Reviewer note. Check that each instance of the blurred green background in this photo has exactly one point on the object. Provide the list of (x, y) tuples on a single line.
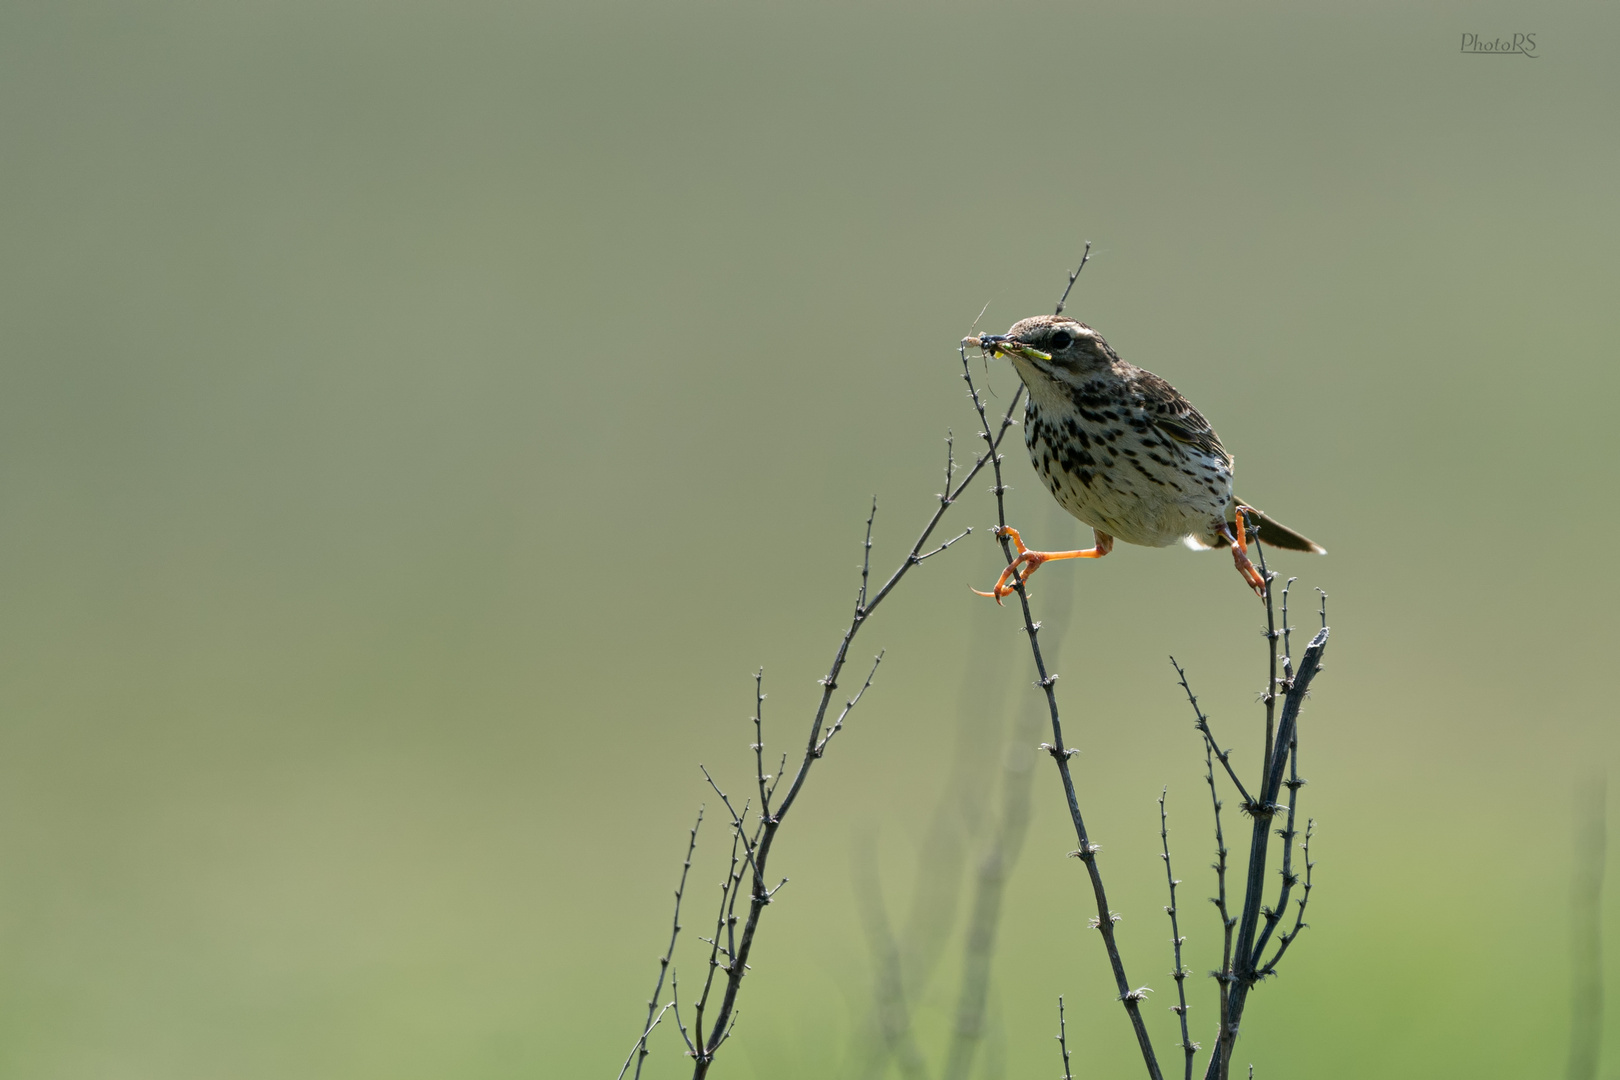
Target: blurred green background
[(418, 422)]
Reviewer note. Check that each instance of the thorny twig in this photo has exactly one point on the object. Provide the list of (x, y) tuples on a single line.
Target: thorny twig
[(1202, 724), (1223, 979), (641, 1044), (1189, 1048), (1063, 1041), (995, 865), (1087, 852), (756, 846), (639, 1053), (1064, 299), (1287, 938), (1275, 913), (1242, 970), (838, 725), (724, 920), (759, 743)]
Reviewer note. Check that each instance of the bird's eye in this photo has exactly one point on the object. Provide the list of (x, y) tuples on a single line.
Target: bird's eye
[(1060, 340)]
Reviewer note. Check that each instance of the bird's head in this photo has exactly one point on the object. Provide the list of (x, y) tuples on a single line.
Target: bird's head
[(1053, 347)]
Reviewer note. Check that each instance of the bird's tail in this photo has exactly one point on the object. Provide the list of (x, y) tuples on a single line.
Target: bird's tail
[(1276, 535)]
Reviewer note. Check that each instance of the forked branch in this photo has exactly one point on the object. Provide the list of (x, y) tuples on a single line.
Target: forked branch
[(734, 934)]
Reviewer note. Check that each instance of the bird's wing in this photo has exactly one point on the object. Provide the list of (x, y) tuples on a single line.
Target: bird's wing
[(1174, 415)]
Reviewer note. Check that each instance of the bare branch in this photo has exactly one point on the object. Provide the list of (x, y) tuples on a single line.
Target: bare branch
[(1064, 299), (1287, 939), (759, 743), (706, 1044), (1273, 914), (1270, 694), (1223, 977), (1087, 850), (1063, 1041), (965, 532), (641, 1044), (866, 556), (838, 725), (738, 823), (663, 961), (1180, 973), (757, 849), (1202, 724), (675, 1003)]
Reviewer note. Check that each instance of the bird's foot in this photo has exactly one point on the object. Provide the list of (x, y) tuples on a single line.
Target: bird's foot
[(1240, 556), (1026, 562)]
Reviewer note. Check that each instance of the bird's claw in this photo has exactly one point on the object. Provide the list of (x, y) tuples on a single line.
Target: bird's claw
[(1025, 563), (1240, 555)]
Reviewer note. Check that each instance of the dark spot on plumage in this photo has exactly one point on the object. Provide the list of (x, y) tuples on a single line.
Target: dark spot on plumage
[(1137, 465), (1089, 397)]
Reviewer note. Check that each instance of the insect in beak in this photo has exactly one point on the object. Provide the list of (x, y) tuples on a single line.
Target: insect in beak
[(1002, 345)]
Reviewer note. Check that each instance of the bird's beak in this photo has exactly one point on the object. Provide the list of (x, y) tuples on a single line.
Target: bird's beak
[(1003, 345)]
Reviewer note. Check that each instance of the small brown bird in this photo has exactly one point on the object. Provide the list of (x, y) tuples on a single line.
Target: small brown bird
[(1123, 452)]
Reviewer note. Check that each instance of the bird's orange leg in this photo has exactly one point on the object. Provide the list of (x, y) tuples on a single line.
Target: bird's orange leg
[(1240, 555), (1027, 561)]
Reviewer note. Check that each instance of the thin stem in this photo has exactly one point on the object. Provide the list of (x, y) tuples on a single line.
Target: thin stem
[(1274, 914), (1288, 635), (1180, 972), (1223, 977), (640, 1051), (946, 545), (759, 743), (675, 1003), (1202, 724), (1063, 1041), (1271, 647), (641, 1044), (737, 820), (1287, 939), (838, 725), (1087, 852), (999, 857), (1064, 299), (866, 553), (706, 1045)]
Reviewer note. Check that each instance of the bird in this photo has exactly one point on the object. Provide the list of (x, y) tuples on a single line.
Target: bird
[(1123, 452)]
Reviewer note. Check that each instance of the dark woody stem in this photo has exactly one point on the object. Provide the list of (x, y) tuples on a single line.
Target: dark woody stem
[(1087, 852)]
